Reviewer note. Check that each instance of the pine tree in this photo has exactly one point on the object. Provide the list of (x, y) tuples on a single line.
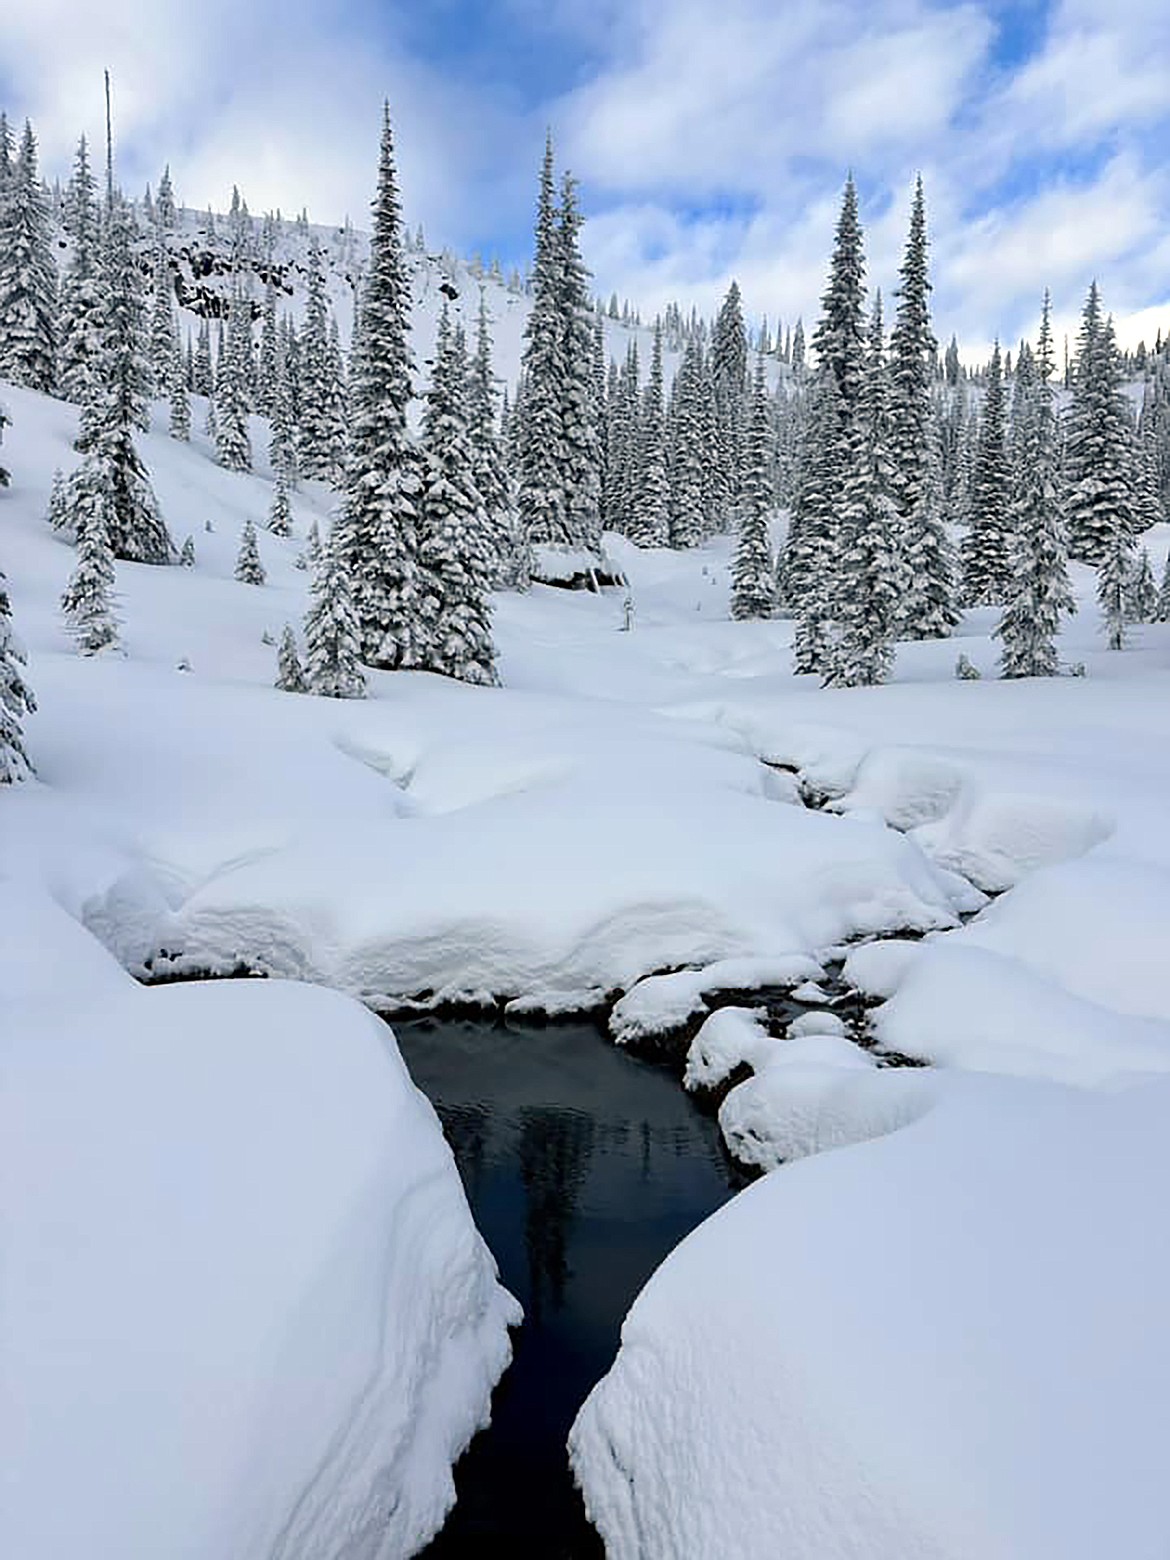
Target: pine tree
[(1099, 475), (649, 521), (88, 599), (203, 381), (578, 419), (986, 549), (249, 570), (728, 367), (488, 468), (332, 637), (233, 445), (280, 511), (187, 555), (1114, 572), (165, 215), (1039, 593), (687, 517), (922, 551), (383, 473), (1141, 604), (282, 449), (456, 554), (268, 372), (28, 277), (180, 406), (16, 698), (320, 431), (112, 472), (163, 338), (804, 568), (290, 676), (79, 319), (1164, 594), (753, 587)]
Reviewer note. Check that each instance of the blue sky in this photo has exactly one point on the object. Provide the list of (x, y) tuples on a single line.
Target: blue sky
[(711, 137)]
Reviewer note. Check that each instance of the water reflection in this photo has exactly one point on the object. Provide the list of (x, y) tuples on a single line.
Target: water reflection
[(583, 1167)]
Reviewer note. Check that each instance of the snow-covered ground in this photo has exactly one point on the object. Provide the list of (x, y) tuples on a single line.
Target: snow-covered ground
[(943, 1338)]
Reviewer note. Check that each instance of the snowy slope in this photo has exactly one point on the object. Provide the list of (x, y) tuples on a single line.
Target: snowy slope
[(612, 812)]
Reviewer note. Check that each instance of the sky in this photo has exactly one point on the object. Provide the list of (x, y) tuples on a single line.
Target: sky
[(711, 138)]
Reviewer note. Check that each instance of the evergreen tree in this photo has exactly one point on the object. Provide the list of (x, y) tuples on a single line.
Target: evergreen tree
[(163, 338), (332, 637), (1039, 593), (290, 676), (922, 550), (233, 446), (383, 474), (1141, 604), (649, 521), (187, 555), (1114, 573), (268, 374), (280, 512), (249, 570), (578, 421), (488, 468), (728, 368), (1164, 594), (201, 372), (165, 215), (457, 557), (753, 588), (986, 549), (180, 406), (803, 572), (282, 449), (88, 599), (112, 474), (687, 470), (320, 434), (16, 698), (1098, 445), (79, 319), (28, 277)]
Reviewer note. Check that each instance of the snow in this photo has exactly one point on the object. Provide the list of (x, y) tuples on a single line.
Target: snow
[(246, 1311), (943, 1330)]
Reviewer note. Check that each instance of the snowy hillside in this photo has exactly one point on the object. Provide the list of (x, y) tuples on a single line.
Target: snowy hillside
[(626, 804)]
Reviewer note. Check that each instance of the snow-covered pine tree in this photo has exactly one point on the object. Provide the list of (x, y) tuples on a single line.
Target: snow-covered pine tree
[(802, 575), (180, 405), (383, 474), (1114, 572), (88, 602), (1141, 604), (280, 510), (986, 550), (332, 637), (16, 697), (923, 555), (79, 323), (290, 675), (203, 379), (753, 584), (233, 445), (28, 276), (112, 472), (162, 337), (268, 369), (249, 570), (728, 371), (649, 520), (165, 215), (487, 452), (1099, 462), (868, 599), (578, 414), (320, 430), (621, 456), (456, 554), (687, 473), (187, 553), (1039, 594)]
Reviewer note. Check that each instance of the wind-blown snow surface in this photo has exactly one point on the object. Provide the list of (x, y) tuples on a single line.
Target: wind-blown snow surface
[(846, 1381)]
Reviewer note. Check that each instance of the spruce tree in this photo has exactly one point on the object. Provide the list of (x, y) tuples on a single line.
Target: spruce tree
[(233, 445), (332, 637), (687, 478), (986, 549), (728, 370), (163, 337), (1114, 572), (805, 564), (79, 319), (1141, 604), (112, 472), (320, 430), (1039, 593), (88, 600), (28, 276), (487, 453), (1099, 461), (180, 406), (383, 474), (290, 676), (268, 370), (457, 556), (280, 511), (868, 599), (578, 419), (923, 554), (165, 215), (203, 380), (649, 520), (187, 554), (753, 586), (16, 697), (249, 570)]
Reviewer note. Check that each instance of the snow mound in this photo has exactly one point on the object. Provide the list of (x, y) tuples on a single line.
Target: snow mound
[(996, 837), (731, 1037), (876, 969), (906, 786), (245, 1308), (884, 1352), (661, 1003)]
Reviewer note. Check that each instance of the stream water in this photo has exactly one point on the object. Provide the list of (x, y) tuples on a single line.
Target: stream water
[(583, 1166)]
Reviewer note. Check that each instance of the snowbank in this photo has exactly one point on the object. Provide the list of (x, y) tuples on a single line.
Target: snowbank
[(949, 1343), (245, 1309)]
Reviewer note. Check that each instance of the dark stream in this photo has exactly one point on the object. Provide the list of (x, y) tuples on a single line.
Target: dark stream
[(584, 1166)]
